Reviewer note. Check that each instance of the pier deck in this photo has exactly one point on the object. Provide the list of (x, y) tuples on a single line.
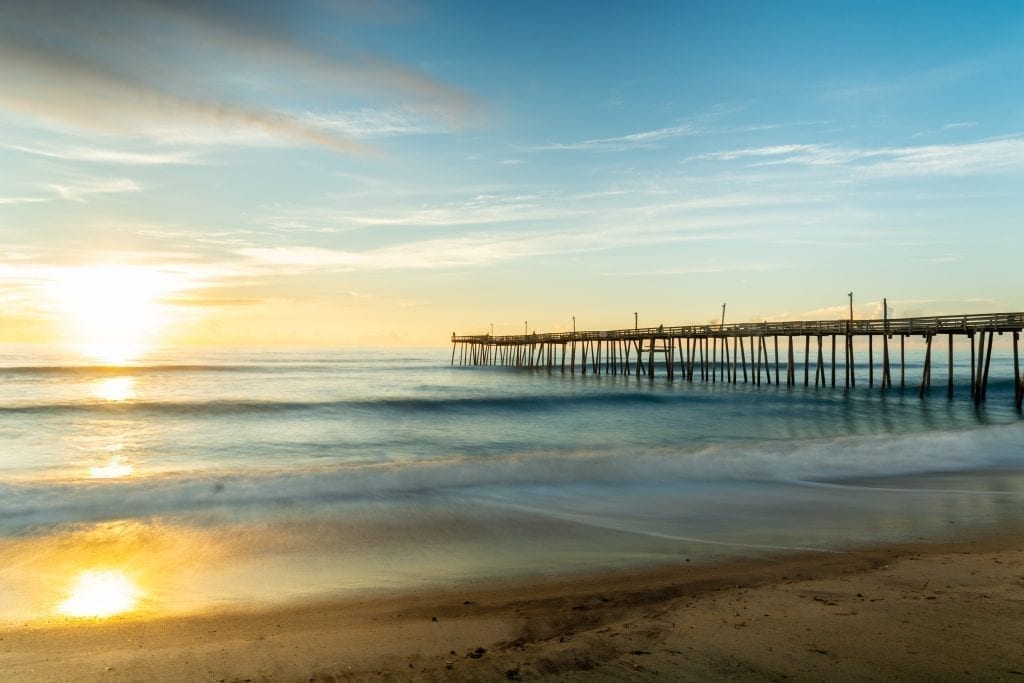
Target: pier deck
[(703, 352)]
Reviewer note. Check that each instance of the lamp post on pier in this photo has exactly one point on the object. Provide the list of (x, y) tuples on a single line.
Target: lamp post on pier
[(851, 306), (636, 321), (722, 326), (574, 324)]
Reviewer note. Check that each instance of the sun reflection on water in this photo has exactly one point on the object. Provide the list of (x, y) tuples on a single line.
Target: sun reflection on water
[(116, 467), (115, 389), (100, 593)]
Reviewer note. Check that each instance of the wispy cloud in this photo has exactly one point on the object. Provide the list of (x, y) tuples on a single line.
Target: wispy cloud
[(953, 159), (698, 270), (23, 200), (426, 254), (484, 249), (945, 128), (647, 138), (482, 209), (950, 159), (92, 154), (82, 190), (370, 122), (944, 258), (100, 66)]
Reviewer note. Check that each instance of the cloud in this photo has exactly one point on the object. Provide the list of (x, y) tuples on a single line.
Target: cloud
[(769, 151), (951, 159), (481, 209), (427, 254), (81, 191), (947, 258), (92, 154), (369, 122), (23, 200), (483, 249), (945, 128), (699, 270), (622, 143), (212, 66)]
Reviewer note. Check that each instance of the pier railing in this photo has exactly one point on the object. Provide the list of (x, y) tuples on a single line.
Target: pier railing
[(704, 350)]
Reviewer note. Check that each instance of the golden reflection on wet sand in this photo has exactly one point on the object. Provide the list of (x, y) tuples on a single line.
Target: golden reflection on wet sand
[(100, 593), (121, 569)]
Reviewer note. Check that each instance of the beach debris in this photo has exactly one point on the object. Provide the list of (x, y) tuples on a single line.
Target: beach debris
[(513, 674), (477, 653), (433, 618)]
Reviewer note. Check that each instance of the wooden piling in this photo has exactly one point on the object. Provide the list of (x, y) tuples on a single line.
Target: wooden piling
[(807, 358), (735, 356), (853, 363), (743, 360), (988, 362), (903, 362), (871, 362), (980, 368), (949, 378), (1018, 385), (819, 371), (650, 360), (790, 364), (927, 370), (833, 360), (775, 344), (756, 363), (714, 359), (886, 374)]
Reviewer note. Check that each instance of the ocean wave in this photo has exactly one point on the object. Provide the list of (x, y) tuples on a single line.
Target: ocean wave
[(220, 407), (54, 500), (122, 370)]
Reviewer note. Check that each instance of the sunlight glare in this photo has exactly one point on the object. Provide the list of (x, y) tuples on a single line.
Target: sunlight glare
[(114, 469), (114, 312), (115, 389), (100, 593)]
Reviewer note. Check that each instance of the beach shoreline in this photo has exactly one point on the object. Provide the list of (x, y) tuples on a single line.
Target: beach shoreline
[(936, 609)]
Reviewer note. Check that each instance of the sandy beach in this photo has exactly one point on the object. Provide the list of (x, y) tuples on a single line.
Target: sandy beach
[(948, 610)]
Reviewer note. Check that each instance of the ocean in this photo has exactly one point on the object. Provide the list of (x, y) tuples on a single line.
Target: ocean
[(204, 479)]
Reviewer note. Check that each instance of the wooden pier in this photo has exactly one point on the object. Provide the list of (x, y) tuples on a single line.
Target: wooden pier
[(724, 353)]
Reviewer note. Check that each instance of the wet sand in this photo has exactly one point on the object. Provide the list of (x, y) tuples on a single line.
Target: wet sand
[(948, 610)]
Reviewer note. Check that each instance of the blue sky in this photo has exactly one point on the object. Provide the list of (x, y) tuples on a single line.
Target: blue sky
[(366, 173)]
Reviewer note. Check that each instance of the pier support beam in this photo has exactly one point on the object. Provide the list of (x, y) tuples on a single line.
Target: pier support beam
[(926, 372), (871, 361), (1018, 382), (949, 381)]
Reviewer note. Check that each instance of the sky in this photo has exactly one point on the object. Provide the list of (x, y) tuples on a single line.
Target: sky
[(385, 173)]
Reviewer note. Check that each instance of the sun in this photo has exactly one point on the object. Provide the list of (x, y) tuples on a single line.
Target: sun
[(113, 313)]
